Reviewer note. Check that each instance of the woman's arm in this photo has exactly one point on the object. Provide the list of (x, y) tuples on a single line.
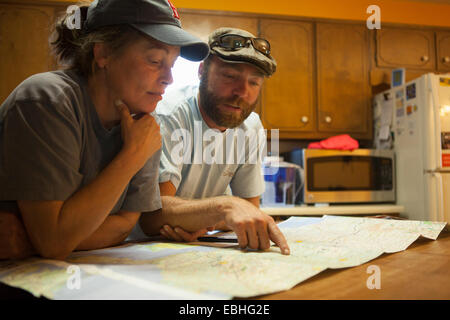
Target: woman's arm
[(113, 231), (14, 242), (56, 228)]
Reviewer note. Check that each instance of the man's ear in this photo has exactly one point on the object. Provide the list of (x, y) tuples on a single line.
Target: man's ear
[(100, 54)]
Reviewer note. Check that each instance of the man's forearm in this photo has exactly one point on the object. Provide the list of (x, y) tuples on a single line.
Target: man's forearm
[(190, 215)]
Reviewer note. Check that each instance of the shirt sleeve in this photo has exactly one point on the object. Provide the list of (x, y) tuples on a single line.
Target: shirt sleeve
[(143, 191), (40, 150), (173, 151), (248, 181)]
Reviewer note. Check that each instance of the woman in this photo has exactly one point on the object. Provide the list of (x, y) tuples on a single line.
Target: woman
[(79, 149)]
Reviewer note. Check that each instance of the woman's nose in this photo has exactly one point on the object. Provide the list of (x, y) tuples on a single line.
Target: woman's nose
[(167, 77)]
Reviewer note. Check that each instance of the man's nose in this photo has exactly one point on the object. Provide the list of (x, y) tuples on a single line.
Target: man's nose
[(241, 88)]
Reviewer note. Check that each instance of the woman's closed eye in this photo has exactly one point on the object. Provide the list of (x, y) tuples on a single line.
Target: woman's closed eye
[(155, 62)]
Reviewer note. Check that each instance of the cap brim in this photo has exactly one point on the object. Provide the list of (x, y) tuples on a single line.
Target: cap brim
[(191, 47), (246, 55), (249, 62)]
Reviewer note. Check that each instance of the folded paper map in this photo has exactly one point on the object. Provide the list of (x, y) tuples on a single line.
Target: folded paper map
[(167, 270)]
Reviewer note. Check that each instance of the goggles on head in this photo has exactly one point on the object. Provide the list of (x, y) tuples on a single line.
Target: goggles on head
[(237, 42)]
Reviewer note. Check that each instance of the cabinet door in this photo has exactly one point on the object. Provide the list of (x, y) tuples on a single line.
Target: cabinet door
[(24, 48), (202, 25), (443, 51), (407, 48), (288, 96), (343, 79)]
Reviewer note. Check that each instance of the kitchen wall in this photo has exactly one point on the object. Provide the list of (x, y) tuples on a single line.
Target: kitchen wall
[(414, 12), (429, 13)]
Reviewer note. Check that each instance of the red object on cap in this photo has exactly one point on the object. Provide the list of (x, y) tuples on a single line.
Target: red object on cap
[(175, 12), (341, 142)]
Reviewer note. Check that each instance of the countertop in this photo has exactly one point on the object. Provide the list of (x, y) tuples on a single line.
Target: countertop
[(304, 210)]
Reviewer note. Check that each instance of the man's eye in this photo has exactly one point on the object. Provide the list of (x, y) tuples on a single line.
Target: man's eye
[(229, 76)]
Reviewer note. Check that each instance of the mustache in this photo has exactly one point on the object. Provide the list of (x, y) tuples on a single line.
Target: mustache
[(235, 101)]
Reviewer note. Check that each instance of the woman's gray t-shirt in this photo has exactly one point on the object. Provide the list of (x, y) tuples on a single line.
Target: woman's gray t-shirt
[(52, 143)]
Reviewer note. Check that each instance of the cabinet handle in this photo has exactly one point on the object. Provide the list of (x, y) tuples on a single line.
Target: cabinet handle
[(424, 58), (305, 119), (328, 119), (446, 59)]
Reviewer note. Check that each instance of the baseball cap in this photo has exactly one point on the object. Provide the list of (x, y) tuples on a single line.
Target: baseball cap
[(246, 54), (157, 18)]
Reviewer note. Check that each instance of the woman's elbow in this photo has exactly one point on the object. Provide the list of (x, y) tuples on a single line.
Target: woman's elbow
[(54, 254), (53, 250)]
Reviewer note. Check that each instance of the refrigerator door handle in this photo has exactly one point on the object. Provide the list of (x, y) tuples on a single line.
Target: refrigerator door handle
[(436, 118), (436, 171), (440, 196)]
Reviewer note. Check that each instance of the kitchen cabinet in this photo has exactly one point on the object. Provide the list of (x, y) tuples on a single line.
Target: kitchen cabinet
[(24, 45), (288, 100), (202, 25), (343, 91), (405, 48), (309, 99), (443, 51)]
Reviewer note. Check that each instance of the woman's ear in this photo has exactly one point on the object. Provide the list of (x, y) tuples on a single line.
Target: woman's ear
[(200, 70), (100, 55)]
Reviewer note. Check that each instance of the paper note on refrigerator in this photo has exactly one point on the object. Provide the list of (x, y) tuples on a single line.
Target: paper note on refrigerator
[(384, 133), (386, 113), (162, 270)]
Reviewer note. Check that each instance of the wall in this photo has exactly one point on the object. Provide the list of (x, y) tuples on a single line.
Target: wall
[(406, 12), (415, 12)]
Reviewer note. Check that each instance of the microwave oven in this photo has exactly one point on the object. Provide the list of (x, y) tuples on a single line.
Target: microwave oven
[(358, 176)]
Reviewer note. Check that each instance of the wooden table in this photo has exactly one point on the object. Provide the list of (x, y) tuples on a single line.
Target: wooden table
[(420, 272)]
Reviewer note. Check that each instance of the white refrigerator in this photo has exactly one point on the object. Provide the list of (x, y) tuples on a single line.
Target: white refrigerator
[(418, 128)]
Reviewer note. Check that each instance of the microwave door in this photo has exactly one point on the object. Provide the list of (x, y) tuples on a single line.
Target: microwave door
[(349, 177)]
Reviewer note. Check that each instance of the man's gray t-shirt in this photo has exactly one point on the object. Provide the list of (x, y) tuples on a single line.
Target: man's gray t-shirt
[(190, 165), (52, 143)]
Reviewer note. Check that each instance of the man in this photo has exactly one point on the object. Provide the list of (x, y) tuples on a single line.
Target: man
[(230, 83)]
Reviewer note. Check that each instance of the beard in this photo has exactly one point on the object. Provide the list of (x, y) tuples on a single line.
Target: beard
[(210, 104)]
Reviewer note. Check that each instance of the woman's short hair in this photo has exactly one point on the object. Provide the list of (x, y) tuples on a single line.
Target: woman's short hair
[(74, 48)]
